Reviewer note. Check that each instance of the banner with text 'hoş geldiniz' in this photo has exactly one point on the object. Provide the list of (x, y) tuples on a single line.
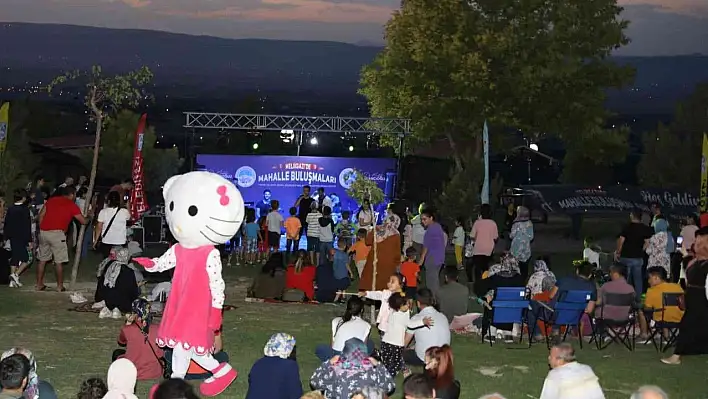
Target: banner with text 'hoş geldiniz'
[(284, 176)]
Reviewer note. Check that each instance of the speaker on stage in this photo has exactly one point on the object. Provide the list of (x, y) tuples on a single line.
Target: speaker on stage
[(138, 234), (152, 226)]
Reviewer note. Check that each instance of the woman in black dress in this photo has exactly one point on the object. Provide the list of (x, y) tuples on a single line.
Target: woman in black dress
[(693, 336)]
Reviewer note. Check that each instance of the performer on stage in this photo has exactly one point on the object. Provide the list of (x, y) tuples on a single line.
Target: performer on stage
[(203, 210)]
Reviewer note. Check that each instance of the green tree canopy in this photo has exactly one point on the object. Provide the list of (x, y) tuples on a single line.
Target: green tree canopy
[(17, 165), (671, 156), (116, 153), (537, 65)]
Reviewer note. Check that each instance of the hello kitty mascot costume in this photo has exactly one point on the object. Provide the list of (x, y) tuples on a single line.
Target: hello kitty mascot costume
[(203, 210)]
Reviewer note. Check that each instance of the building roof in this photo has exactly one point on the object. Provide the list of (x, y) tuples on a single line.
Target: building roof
[(67, 142)]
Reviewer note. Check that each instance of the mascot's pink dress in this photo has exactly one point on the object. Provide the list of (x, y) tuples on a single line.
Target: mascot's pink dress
[(203, 210)]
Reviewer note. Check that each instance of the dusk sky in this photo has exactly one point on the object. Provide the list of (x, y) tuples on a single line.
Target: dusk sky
[(659, 27)]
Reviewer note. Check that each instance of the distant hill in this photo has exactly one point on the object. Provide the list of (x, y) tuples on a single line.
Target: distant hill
[(194, 66)]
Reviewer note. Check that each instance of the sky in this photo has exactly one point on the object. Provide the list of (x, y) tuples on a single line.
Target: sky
[(659, 27)]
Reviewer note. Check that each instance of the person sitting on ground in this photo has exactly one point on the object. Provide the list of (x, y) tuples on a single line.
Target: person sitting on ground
[(139, 336), (658, 286), (341, 376), (438, 366), (569, 379), (418, 386), (453, 297), (350, 325), (14, 376), (35, 387), (276, 375), (434, 333), (121, 380), (300, 275), (117, 286), (175, 388), (270, 282), (650, 392), (92, 388)]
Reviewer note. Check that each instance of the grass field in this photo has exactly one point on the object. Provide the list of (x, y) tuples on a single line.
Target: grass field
[(71, 347)]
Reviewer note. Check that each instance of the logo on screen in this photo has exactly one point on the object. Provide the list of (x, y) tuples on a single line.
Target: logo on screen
[(347, 177), (245, 176)]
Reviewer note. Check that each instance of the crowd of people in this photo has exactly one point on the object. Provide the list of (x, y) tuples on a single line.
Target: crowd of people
[(417, 291)]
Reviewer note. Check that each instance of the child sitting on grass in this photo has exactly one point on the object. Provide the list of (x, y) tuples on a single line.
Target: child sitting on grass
[(395, 285), (360, 251)]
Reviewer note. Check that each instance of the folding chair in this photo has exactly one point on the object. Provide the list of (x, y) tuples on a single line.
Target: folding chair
[(668, 300), (509, 306), (567, 312), (621, 330)]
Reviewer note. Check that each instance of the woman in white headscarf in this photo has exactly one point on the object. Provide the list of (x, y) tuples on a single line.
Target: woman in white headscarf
[(35, 387), (276, 375), (117, 285), (542, 279), (122, 377)]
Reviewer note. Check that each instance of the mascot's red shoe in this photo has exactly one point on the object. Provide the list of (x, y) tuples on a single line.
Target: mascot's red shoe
[(223, 376)]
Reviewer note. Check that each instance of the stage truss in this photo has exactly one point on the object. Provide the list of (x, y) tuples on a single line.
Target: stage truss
[(304, 124), (317, 124)]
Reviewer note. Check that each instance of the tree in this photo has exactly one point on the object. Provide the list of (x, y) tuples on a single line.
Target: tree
[(17, 165), (105, 96), (671, 156), (537, 65), (117, 156), (364, 189)]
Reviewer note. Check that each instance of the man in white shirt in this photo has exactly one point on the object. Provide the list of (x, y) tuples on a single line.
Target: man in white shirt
[(569, 379), (437, 333)]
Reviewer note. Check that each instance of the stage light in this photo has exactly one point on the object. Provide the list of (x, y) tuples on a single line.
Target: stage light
[(255, 146), (351, 148), (313, 141), (533, 146)]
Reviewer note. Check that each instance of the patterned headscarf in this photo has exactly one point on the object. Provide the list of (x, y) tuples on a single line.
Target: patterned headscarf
[(541, 279), (353, 359), (141, 309), (279, 345), (122, 257), (32, 388), (389, 227), (522, 214), (507, 267)]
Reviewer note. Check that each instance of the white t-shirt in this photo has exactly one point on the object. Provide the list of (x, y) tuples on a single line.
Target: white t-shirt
[(354, 328), (458, 237), (274, 220), (418, 230), (118, 232), (426, 337), (591, 256), (313, 224), (398, 322)]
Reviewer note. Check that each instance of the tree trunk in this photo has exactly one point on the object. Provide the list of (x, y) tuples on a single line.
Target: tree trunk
[(92, 181), (375, 264), (455, 153)]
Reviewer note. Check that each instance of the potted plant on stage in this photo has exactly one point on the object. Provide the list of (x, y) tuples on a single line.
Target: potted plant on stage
[(362, 188)]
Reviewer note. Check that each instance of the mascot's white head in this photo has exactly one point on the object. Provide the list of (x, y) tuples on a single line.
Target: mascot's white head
[(202, 208)]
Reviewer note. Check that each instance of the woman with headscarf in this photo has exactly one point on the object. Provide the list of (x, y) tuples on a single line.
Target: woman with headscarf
[(138, 336), (117, 286), (660, 246), (276, 375), (35, 388), (346, 374), (503, 274), (121, 380), (521, 237), (388, 252), (542, 279)]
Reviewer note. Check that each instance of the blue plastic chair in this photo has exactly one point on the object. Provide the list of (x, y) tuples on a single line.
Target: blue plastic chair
[(510, 305), (568, 312)]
